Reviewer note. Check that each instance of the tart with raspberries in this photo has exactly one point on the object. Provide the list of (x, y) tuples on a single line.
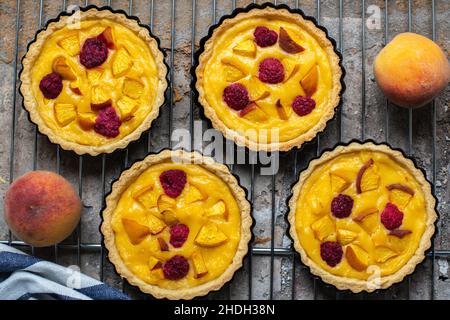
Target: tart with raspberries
[(362, 217), (269, 78), (177, 225), (93, 81)]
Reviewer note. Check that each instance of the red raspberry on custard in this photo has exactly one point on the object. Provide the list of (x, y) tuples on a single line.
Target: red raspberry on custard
[(173, 182), (391, 217), (264, 37), (178, 234), (271, 71), (303, 105), (93, 53), (341, 206), (331, 252), (51, 85), (236, 96), (176, 268), (107, 123)]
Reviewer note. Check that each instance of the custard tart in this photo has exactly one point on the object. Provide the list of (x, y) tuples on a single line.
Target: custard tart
[(94, 80), (268, 78), (177, 225), (362, 216)]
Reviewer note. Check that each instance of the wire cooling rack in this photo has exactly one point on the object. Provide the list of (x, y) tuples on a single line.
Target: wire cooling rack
[(272, 269)]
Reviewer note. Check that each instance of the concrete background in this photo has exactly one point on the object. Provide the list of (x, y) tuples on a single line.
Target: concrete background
[(362, 101)]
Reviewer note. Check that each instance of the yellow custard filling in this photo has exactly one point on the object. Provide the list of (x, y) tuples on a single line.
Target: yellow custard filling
[(206, 206), (368, 245), (127, 79), (236, 58)]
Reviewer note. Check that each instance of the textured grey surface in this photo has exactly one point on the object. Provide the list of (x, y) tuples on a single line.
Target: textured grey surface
[(382, 123)]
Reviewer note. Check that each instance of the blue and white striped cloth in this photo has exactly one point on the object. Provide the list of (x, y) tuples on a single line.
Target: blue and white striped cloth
[(26, 277)]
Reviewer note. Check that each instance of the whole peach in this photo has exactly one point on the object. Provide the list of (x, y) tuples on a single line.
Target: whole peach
[(411, 70), (42, 208)]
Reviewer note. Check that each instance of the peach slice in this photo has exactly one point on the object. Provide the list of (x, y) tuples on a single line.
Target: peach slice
[(195, 208), (199, 264), (253, 113), (158, 273), (400, 194), (383, 254), (287, 44), (146, 197), (100, 98), (345, 237), (367, 178), (127, 108), (338, 184), (379, 236), (364, 213), (291, 67), (86, 120), (136, 232), (317, 206), (217, 210), (357, 257), (210, 236), (281, 112), (232, 74), (401, 187), (370, 223), (65, 113), (154, 263), (257, 89), (246, 48), (324, 229), (399, 233), (193, 194), (399, 198), (121, 62), (236, 63), (163, 244), (310, 81), (165, 203), (108, 36), (94, 75), (71, 44), (75, 87), (132, 88), (61, 67), (169, 217), (346, 174), (155, 225)]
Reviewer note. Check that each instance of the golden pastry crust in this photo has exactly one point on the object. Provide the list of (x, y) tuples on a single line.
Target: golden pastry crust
[(34, 51), (129, 176), (312, 29), (356, 285)]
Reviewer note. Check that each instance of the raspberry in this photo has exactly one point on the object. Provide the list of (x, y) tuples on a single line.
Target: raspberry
[(173, 182), (264, 37), (93, 53), (236, 96), (391, 217), (51, 85), (331, 252), (178, 234), (271, 71), (341, 206), (176, 268), (107, 123), (303, 105)]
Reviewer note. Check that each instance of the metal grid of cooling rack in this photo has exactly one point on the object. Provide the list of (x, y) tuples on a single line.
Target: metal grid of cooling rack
[(80, 247)]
